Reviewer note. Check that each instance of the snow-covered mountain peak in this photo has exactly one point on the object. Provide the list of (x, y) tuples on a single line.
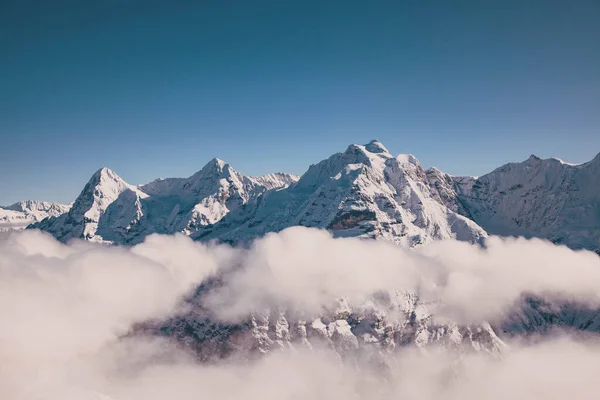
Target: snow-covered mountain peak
[(105, 184), (366, 153), (105, 174), (354, 156), (109, 209), (537, 197), (103, 188), (22, 213), (32, 205), (216, 165), (359, 193), (375, 146)]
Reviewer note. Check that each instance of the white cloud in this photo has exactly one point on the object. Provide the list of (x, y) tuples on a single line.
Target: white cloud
[(307, 269), (63, 308), (58, 302)]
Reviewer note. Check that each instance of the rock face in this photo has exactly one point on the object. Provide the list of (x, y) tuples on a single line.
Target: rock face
[(536, 317), (379, 327)]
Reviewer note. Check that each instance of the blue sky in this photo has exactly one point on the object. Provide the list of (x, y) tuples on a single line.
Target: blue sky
[(158, 88)]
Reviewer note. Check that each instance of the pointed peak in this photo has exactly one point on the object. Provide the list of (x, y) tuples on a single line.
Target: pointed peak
[(375, 146), (216, 164), (217, 161), (214, 167), (533, 157), (105, 174)]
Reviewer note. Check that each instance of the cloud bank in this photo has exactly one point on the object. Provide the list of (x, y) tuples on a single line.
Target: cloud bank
[(307, 269), (65, 308)]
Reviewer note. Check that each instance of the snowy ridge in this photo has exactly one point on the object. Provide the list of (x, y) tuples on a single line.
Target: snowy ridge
[(274, 181), (542, 198), (363, 192), (17, 216), (111, 210)]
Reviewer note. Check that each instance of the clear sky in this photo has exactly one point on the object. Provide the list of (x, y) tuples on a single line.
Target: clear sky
[(158, 88)]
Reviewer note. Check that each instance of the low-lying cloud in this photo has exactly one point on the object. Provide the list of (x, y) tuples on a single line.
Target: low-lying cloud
[(306, 269), (65, 308)]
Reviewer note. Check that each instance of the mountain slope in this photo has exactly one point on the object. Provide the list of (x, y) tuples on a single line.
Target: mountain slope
[(363, 192), (84, 216), (542, 198)]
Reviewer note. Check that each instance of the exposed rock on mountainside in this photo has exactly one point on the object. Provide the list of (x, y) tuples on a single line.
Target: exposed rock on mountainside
[(374, 329)]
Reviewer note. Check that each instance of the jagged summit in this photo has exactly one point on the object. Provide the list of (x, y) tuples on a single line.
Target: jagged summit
[(29, 205), (370, 150), (375, 146), (216, 164), (363, 191), (105, 173), (537, 197), (25, 212), (110, 209)]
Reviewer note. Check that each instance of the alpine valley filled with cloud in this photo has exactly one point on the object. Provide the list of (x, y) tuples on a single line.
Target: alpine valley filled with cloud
[(367, 277)]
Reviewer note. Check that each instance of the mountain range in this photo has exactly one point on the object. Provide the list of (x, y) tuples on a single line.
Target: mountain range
[(23, 213), (362, 192)]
